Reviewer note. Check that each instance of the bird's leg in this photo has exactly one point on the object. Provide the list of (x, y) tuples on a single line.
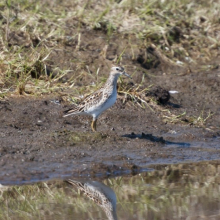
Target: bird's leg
[(93, 125)]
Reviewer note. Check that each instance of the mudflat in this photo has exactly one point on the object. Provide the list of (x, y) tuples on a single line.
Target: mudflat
[(38, 143), (65, 57)]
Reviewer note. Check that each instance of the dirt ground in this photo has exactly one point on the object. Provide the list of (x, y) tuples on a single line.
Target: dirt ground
[(38, 143)]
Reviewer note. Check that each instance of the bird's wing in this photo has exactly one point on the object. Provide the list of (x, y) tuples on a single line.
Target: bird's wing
[(86, 103)]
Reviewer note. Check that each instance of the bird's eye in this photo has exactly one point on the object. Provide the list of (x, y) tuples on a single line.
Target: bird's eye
[(117, 69)]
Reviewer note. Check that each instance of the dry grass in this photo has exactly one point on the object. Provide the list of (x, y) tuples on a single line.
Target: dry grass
[(183, 32), (174, 34)]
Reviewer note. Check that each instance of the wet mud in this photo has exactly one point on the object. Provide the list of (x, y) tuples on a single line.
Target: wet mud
[(37, 143)]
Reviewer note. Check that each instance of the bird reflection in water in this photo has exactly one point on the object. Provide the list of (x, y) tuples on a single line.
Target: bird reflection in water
[(101, 194)]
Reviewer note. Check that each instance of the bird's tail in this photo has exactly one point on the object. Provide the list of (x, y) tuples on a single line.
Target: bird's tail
[(70, 112), (77, 184)]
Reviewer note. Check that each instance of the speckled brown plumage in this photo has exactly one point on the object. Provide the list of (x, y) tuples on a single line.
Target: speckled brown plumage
[(100, 100)]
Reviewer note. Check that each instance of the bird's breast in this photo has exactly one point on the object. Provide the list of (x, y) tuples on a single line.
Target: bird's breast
[(111, 101), (108, 99)]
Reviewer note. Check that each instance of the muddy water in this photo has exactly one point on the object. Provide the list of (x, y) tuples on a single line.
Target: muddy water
[(182, 191)]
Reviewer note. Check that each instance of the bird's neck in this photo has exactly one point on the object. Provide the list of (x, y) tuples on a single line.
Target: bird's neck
[(112, 81)]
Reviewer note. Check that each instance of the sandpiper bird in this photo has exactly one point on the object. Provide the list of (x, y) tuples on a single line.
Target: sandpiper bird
[(101, 100), (101, 194)]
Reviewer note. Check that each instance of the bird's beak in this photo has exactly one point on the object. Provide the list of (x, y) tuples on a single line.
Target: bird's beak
[(124, 73)]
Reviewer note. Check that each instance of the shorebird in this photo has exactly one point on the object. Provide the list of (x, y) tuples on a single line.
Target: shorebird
[(101, 194), (100, 100)]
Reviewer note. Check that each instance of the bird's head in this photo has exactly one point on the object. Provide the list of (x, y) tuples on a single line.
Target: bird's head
[(118, 70)]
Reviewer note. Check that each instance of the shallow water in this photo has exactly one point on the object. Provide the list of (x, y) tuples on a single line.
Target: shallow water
[(180, 191)]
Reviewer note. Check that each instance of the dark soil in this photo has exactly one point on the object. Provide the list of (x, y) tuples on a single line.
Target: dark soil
[(38, 143)]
